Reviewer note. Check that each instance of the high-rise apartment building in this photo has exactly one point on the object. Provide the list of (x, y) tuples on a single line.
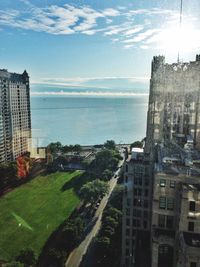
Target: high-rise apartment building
[(15, 117)]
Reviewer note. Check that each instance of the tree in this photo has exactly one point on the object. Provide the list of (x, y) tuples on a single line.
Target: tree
[(92, 191), (137, 144), (109, 221), (27, 257), (77, 149), (14, 264), (54, 147), (110, 144), (102, 244), (107, 174), (106, 159), (73, 231), (112, 212)]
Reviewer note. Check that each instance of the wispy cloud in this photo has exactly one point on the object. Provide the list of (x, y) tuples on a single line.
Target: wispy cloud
[(143, 28), (90, 93), (81, 80)]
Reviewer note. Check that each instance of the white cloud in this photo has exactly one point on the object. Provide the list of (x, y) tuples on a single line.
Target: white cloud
[(143, 28), (82, 80), (141, 36)]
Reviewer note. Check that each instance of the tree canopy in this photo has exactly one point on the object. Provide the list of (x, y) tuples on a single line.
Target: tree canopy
[(137, 144), (110, 144), (92, 191)]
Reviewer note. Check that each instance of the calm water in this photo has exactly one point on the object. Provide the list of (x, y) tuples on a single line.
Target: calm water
[(88, 120)]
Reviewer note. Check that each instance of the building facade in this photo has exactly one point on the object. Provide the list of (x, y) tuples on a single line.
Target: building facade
[(15, 117), (173, 149), (136, 222), (174, 101)]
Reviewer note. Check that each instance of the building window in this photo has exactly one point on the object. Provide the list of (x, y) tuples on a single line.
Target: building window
[(170, 222), (127, 242), (146, 182), (127, 231), (146, 204), (128, 201), (126, 167), (128, 222), (145, 224), (191, 226), (193, 264), (128, 211), (170, 204), (138, 213), (162, 202), (161, 220), (192, 206), (162, 182), (146, 193), (137, 202), (172, 184), (127, 252)]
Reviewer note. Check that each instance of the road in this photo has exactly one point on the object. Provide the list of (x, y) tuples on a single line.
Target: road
[(77, 254)]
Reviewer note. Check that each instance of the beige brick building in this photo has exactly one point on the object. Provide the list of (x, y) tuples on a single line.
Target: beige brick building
[(15, 118)]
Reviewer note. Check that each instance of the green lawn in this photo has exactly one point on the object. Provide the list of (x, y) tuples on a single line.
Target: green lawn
[(30, 213)]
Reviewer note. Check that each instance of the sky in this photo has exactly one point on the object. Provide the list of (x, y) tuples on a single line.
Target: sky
[(95, 43)]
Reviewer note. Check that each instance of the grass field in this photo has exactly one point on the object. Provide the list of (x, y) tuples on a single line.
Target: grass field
[(30, 213)]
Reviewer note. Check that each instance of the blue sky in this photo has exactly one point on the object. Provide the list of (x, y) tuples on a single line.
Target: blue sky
[(102, 43)]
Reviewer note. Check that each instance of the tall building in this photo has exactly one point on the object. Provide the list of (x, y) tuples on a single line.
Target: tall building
[(136, 222), (15, 117), (173, 140), (172, 158), (174, 102)]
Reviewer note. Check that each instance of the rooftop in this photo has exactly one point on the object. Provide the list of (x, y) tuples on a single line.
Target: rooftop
[(174, 159)]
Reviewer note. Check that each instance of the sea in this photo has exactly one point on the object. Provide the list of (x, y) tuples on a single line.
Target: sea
[(88, 118)]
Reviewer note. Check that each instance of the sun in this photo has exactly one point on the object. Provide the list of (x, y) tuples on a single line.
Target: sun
[(180, 40)]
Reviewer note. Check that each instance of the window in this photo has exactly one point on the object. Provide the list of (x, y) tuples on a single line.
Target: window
[(126, 167), (146, 192), (146, 204), (161, 220), (162, 182), (193, 264), (127, 252), (162, 202), (145, 224), (170, 222), (146, 182), (145, 214), (172, 184), (127, 242), (128, 211), (127, 231), (128, 201), (139, 192), (170, 203), (135, 180), (128, 222), (192, 206), (139, 213), (135, 191), (191, 226), (137, 202)]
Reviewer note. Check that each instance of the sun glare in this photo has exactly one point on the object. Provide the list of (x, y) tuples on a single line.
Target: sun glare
[(180, 40)]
